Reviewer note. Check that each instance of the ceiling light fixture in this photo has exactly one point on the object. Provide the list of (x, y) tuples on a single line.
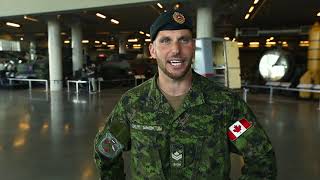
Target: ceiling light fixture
[(133, 40), (147, 40), (247, 16), (85, 41), (318, 14), (67, 41), (111, 46), (97, 42), (240, 44), (13, 24), (141, 32), (30, 18), (114, 21), (177, 6), (255, 1), (226, 38), (254, 44), (251, 9), (104, 43), (159, 5), (100, 15), (148, 35)]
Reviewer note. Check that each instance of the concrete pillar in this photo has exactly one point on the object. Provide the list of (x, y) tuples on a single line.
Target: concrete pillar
[(122, 43), (77, 56), (146, 52), (204, 22), (55, 58), (32, 50), (56, 114), (203, 55)]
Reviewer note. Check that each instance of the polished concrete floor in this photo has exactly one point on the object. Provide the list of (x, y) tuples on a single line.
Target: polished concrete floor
[(50, 137)]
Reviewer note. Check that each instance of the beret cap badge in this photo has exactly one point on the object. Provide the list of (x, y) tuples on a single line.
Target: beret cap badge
[(178, 17)]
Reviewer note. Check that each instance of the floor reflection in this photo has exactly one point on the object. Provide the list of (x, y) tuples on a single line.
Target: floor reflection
[(52, 137)]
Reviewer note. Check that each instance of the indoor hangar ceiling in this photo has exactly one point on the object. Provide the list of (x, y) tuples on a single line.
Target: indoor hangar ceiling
[(229, 15)]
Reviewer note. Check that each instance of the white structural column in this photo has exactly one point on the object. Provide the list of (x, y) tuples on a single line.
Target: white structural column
[(146, 52), (32, 50), (55, 58), (122, 43), (77, 55), (56, 124), (203, 57), (204, 22)]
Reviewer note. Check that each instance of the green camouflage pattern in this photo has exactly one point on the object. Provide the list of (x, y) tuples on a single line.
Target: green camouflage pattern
[(190, 143)]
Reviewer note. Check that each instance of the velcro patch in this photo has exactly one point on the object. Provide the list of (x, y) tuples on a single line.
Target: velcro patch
[(177, 155), (109, 146), (146, 127), (238, 128)]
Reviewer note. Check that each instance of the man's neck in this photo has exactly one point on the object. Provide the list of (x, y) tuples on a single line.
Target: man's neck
[(175, 87)]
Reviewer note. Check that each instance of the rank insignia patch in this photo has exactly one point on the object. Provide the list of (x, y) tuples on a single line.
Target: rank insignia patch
[(110, 146), (178, 17), (177, 155), (238, 128)]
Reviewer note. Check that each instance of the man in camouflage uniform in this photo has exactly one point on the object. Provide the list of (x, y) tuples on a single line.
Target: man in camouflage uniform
[(178, 124)]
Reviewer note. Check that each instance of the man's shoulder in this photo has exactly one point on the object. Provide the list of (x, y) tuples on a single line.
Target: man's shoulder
[(212, 89), (137, 93)]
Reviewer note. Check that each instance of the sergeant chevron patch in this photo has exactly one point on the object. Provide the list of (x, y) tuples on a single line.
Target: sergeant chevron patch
[(177, 155)]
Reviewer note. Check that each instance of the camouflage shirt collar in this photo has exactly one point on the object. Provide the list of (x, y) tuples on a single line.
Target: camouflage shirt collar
[(193, 98)]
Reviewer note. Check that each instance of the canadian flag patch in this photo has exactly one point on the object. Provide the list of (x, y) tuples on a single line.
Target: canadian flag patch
[(238, 128)]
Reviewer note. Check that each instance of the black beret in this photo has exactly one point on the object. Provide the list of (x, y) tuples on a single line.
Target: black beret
[(170, 20)]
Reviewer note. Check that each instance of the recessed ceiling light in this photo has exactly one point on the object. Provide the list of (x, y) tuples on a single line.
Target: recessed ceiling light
[(318, 14), (247, 16), (100, 15), (251, 9), (30, 18), (12, 24), (255, 1), (133, 40), (159, 5), (114, 21)]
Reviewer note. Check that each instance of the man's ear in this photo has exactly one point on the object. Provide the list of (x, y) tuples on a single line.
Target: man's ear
[(152, 50)]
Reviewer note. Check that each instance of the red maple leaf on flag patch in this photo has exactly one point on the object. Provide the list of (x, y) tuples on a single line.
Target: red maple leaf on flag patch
[(236, 128)]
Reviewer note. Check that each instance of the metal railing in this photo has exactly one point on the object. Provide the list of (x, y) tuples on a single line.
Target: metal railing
[(304, 88)]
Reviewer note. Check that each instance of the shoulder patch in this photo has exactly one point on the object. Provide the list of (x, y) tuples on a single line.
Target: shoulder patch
[(238, 128), (109, 146)]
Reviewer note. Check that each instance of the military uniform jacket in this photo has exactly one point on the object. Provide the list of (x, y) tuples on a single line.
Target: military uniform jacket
[(193, 142)]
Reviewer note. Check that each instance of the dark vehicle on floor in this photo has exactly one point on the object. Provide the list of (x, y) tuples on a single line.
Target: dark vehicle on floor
[(125, 66)]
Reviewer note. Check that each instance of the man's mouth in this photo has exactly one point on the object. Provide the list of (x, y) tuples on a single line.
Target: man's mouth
[(175, 63)]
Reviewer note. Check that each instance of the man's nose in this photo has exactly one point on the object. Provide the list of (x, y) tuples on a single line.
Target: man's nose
[(175, 48)]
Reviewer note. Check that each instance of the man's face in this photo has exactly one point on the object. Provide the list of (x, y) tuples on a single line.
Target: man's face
[(174, 50)]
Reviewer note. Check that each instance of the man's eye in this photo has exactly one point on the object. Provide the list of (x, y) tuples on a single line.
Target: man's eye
[(185, 40), (165, 41)]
